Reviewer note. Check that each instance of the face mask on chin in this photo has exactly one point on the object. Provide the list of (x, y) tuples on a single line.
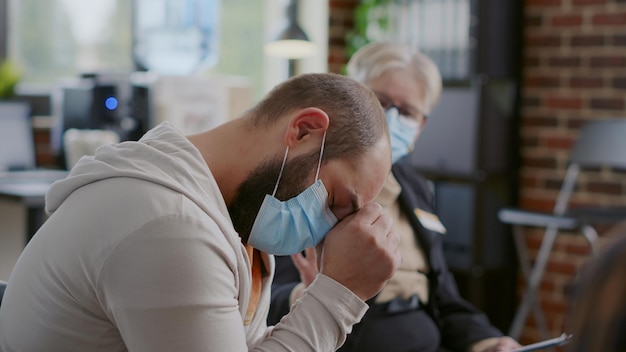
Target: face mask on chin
[(402, 132), (289, 227)]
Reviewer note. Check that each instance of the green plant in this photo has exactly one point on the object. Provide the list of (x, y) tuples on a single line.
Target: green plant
[(9, 76), (357, 38)]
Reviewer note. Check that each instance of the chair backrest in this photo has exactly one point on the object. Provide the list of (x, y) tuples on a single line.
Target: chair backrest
[(600, 143)]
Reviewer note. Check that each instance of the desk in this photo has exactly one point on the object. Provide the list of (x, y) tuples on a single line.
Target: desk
[(22, 201)]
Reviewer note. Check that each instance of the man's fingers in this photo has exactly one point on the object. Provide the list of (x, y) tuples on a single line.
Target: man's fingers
[(394, 245), (298, 260), (368, 213)]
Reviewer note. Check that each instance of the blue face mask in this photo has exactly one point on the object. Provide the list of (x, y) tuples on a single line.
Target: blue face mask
[(402, 132), (289, 227)]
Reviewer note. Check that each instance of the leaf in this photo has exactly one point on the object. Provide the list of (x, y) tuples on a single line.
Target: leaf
[(9, 77)]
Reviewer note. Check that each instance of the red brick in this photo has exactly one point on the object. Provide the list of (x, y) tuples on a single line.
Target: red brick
[(564, 103), (539, 162), (588, 2), (537, 204), (42, 137), (548, 286), (564, 61), (619, 39), (610, 19), (619, 82), (576, 119), (566, 20), (607, 103), (553, 184), (608, 61), (529, 182), (539, 121), (542, 3), (342, 4), (337, 41), (605, 187), (561, 266), (333, 59), (569, 239), (46, 159), (335, 22), (579, 249), (534, 242), (586, 82), (542, 40), (541, 81), (557, 142), (587, 40)]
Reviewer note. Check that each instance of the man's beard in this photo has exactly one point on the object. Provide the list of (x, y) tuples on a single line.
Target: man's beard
[(261, 181)]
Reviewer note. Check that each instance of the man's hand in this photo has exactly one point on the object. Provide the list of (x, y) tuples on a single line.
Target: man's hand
[(361, 252), (306, 265)]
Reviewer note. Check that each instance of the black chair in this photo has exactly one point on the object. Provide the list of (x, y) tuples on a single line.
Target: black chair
[(600, 144)]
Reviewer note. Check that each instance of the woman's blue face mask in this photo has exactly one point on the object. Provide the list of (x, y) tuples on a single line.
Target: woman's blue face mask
[(291, 226), (402, 132)]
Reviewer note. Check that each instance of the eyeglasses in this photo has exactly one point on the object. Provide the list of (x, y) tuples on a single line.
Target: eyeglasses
[(404, 110)]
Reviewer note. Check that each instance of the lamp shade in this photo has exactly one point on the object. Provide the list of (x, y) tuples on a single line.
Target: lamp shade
[(291, 42)]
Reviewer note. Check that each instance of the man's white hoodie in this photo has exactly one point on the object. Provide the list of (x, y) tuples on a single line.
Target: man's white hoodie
[(139, 253)]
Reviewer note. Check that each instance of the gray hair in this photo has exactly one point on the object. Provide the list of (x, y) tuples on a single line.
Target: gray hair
[(376, 58)]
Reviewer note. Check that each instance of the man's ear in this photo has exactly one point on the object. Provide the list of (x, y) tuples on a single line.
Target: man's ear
[(305, 125)]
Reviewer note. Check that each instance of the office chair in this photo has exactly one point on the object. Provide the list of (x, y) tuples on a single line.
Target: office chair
[(600, 143)]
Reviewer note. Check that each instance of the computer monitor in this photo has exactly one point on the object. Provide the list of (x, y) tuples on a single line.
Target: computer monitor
[(17, 147)]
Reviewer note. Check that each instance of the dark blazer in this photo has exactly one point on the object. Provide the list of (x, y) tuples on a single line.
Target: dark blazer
[(460, 324)]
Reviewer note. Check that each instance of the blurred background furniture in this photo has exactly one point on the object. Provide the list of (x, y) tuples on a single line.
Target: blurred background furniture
[(79, 143), (600, 144), (22, 185), (3, 286), (17, 150)]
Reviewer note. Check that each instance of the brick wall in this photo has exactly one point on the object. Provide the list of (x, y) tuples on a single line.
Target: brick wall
[(574, 70), (340, 22)]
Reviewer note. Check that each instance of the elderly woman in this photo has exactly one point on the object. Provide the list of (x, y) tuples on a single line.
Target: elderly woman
[(420, 308)]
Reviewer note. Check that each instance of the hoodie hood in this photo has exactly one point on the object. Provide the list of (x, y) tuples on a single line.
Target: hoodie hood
[(163, 156)]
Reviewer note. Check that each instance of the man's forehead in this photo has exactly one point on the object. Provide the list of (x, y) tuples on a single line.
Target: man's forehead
[(371, 172)]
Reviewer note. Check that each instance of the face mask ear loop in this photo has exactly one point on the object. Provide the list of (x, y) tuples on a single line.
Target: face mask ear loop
[(280, 174), (319, 162)]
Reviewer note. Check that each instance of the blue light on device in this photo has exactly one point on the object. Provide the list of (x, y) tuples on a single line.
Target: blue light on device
[(111, 103)]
